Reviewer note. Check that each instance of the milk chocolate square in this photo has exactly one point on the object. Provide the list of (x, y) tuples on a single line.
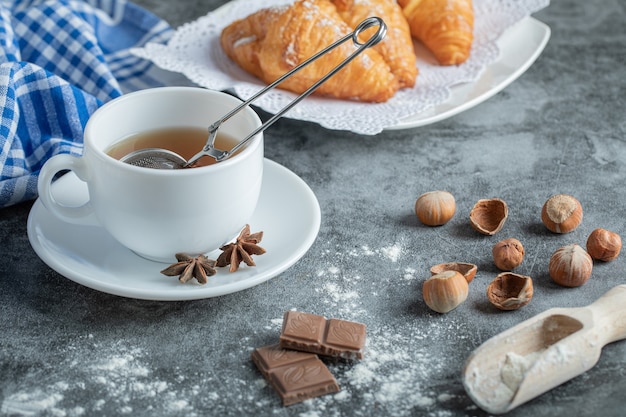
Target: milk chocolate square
[(315, 334), (268, 358), (302, 380), (295, 376)]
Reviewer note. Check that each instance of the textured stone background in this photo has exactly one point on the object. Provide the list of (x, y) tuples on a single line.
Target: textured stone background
[(66, 350)]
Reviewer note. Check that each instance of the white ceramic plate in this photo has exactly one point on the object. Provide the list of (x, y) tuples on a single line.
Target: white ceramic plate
[(287, 212), (507, 41), (519, 47)]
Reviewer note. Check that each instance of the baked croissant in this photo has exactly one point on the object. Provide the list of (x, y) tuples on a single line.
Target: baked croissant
[(272, 41), (397, 46), (445, 27)]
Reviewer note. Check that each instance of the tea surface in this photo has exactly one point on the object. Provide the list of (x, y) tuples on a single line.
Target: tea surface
[(185, 141)]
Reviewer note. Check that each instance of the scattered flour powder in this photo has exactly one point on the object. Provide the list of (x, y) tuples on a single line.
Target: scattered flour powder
[(398, 374), (391, 253), (117, 372), (401, 374)]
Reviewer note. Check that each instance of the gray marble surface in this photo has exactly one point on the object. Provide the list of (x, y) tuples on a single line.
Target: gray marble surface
[(67, 350)]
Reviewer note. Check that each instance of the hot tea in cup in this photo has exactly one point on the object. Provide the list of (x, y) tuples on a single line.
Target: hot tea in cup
[(183, 141), (158, 213)]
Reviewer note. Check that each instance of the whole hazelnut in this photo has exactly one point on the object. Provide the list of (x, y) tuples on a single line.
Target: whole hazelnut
[(570, 266), (488, 215), (508, 254), (509, 291), (445, 291), (604, 245), (561, 213), (435, 208)]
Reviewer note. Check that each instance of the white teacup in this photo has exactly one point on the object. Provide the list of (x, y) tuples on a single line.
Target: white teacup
[(158, 213)]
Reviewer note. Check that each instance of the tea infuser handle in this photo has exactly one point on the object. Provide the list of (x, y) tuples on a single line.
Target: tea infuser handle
[(220, 155)]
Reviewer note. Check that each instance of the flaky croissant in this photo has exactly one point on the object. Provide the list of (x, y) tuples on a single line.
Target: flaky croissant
[(397, 46), (445, 27), (272, 41)]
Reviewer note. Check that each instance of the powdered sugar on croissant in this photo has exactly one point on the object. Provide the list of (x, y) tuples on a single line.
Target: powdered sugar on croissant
[(397, 47), (445, 27), (272, 41)]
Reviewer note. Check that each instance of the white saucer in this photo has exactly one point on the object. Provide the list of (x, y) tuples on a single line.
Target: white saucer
[(287, 212)]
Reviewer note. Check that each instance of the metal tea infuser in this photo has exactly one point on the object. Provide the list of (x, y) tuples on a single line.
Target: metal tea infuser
[(165, 159)]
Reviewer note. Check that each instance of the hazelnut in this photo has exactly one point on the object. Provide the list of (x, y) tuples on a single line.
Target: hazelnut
[(445, 291), (435, 208), (604, 245), (488, 215), (508, 254), (509, 291), (561, 213), (570, 266), (466, 269)]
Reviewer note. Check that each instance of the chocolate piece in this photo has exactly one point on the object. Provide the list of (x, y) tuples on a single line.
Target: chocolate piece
[(268, 358), (296, 376), (316, 334)]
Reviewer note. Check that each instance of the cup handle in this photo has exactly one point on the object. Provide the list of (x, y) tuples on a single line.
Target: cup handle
[(82, 214)]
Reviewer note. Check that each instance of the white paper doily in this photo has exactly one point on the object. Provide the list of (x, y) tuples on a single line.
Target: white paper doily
[(194, 51)]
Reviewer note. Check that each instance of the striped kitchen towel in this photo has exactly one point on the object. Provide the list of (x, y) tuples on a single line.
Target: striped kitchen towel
[(59, 61)]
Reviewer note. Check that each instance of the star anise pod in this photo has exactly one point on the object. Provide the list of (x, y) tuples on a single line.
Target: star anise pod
[(189, 267), (241, 250)]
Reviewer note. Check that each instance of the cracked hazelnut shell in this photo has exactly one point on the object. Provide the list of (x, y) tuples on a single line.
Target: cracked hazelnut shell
[(466, 269), (488, 215), (509, 291)]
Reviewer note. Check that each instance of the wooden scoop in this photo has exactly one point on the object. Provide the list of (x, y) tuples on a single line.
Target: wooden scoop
[(543, 352)]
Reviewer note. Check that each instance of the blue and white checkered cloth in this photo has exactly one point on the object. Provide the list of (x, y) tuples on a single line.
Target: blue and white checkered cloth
[(60, 60)]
